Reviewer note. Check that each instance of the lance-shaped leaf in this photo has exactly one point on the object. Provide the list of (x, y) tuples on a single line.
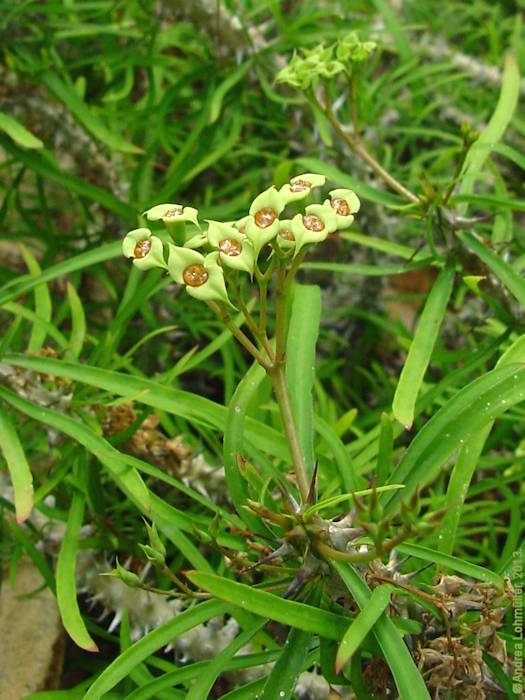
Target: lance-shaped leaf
[(421, 348)]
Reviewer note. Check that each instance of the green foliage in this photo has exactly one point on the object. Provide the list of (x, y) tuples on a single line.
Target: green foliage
[(318, 473)]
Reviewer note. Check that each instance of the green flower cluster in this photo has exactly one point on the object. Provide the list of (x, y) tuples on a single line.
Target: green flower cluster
[(203, 258), (323, 63)]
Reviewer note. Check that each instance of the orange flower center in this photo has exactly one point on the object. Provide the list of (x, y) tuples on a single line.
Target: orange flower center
[(231, 247), (340, 206), (265, 217), (299, 186), (313, 223), (195, 275), (142, 248), (287, 235)]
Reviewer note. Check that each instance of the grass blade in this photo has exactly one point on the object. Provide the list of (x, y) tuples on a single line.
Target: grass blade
[(19, 133), (78, 323), (152, 642), (43, 307), (492, 133), (421, 348), (234, 441), (267, 605), (18, 467), (409, 681), (362, 625), (283, 677), (85, 115), (128, 479), (454, 563), (65, 577), (466, 413), (202, 687), (514, 283), (181, 403)]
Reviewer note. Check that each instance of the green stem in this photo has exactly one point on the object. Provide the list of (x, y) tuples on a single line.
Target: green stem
[(239, 335), (278, 377), (258, 332), (360, 149), (353, 557), (280, 316)]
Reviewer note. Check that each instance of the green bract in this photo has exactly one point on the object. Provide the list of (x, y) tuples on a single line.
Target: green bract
[(285, 236), (235, 250), (300, 187), (344, 203), (304, 72), (314, 225), (352, 49), (263, 223), (146, 250), (201, 275), (172, 213)]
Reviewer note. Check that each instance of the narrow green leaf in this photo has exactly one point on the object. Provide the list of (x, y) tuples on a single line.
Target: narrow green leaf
[(181, 403), (152, 642), (43, 307), (24, 284), (187, 673), (460, 565), (514, 282), (267, 605), (300, 368), (408, 679), (18, 467), (465, 414), (234, 441), (492, 133), (65, 577), (362, 625), (78, 322), (127, 478), (85, 115), (44, 165), (370, 270), (19, 133), (283, 676), (421, 348), (395, 28), (341, 497), (458, 486), (204, 683), (343, 460), (220, 93), (386, 446)]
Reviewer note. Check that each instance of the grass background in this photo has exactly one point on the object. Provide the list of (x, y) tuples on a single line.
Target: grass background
[(108, 108)]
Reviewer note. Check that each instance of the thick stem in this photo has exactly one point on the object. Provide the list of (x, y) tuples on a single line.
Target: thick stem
[(281, 394), (353, 557)]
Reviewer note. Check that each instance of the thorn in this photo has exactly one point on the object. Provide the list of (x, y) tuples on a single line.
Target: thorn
[(310, 499)]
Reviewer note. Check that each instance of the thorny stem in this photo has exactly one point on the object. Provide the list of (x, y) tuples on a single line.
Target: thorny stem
[(360, 149), (239, 335), (353, 557)]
